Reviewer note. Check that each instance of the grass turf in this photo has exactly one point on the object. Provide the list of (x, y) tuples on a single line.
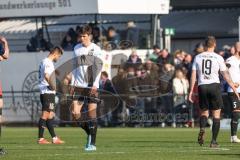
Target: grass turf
[(117, 144)]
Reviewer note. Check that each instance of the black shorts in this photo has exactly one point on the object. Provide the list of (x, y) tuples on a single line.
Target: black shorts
[(234, 100), (48, 102), (83, 94), (210, 96)]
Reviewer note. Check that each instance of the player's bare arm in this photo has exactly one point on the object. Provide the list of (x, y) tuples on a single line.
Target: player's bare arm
[(50, 81), (228, 79)]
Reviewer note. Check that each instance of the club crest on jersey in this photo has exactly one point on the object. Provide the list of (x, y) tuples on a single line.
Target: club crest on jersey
[(90, 53)]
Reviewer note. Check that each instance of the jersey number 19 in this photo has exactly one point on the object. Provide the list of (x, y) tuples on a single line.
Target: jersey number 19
[(206, 66)]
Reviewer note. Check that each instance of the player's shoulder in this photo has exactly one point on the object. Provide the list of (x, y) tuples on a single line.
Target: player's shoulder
[(78, 46), (45, 61), (95, 47), (232, 58)]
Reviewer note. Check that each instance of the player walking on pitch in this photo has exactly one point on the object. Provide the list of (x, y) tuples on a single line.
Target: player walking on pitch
[(207, 66), (47, 88), (85, 82), (233, 64)]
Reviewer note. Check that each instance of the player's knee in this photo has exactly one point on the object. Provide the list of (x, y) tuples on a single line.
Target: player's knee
[(235, 117)]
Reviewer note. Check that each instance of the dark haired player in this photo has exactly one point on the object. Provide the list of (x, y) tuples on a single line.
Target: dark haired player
[(207, 66), (4, 54), (86, 74), (233, 64), (47, 88)]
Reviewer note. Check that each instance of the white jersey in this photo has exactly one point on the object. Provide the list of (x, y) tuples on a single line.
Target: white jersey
[(80, 73), (233, 64), (208, 65), (45, 67)]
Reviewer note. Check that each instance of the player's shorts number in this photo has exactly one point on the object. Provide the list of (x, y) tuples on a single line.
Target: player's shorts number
[(234, 105), (206, 66)]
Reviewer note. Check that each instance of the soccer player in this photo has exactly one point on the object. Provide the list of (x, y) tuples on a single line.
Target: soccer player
[(85, 81), (4, 54), (207, 66), (233, 64), (47, 86)]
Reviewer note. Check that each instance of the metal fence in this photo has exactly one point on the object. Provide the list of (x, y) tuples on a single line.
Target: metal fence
[(25, 108)]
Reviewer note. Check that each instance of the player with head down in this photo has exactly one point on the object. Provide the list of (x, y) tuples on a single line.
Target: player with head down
[(47, 86)]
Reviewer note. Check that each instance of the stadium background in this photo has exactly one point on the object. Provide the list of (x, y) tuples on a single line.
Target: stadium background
[(190, 19)]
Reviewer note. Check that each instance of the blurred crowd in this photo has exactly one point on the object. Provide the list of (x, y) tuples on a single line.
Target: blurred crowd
[(108, 39), (159, 85)]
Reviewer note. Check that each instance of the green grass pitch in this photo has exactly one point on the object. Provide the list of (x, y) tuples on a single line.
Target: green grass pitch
[(118, 144)]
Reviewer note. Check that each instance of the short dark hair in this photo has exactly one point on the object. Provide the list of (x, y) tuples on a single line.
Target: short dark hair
[(104, 73), (85, 30), (56, 49), (156, 46), (111, 28), (210, 42)]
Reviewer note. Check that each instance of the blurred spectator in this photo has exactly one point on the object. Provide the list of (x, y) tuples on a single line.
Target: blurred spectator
[(73, 35), (153, 70), (105, 83), (113, 37), (134, 59), (38, 43), (179, 56), (96, 35), (132, 34), (67, 43), (187, 63), (78, 28), (199, 48), (154, 56), (109, 104), (180, 87), (166, 75), (164, 58), (180, 93), (232, 51)]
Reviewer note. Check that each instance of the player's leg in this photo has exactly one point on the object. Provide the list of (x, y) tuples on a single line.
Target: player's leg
[(42, 124), (41, 127), (92, 124), (202, 124), (76, 112), (77, 105), (216, 104), (215, 127), (204, 112), (235, 117), (49, 122)]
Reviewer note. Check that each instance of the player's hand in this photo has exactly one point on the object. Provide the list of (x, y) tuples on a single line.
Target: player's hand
[(236, 93), (236, 85), (190, 97), (93, 90)]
